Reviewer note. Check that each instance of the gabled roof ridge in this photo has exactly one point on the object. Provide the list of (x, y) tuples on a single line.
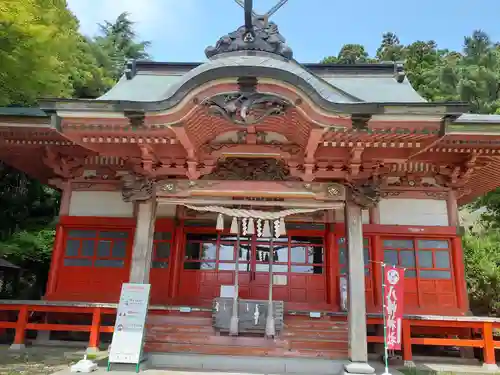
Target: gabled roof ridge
[(373, 68)]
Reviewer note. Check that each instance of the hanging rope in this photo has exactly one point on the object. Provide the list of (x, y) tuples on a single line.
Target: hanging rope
[(254, 214)]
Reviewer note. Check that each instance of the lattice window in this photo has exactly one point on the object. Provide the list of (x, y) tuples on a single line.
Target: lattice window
[(343, 252), (162, 245), (95, 248), (422, 258), (290, 254)]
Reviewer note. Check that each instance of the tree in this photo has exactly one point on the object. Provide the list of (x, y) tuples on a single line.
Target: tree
[(117, 44), (42, 53), (349, 54), (482, 271), (390, 49)]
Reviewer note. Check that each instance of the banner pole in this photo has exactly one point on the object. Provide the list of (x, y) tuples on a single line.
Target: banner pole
[(386, 351)]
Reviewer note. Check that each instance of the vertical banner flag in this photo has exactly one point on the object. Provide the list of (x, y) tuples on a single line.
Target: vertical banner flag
[(393, 306)]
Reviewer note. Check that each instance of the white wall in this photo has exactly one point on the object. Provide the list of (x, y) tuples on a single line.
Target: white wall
[(166, 210), (99, 203), (402, 211)]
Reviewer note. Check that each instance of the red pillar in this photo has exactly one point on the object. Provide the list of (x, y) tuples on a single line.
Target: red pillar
[(57, 255), (407, 352), (95, 330), (489, 345), (459, 272), (331, 266), (20, 336), (378, 256), (176, 259)]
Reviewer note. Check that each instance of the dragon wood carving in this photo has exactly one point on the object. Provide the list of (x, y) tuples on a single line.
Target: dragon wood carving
[(246, 108), (365, 194), (251, 170), (137, 188)]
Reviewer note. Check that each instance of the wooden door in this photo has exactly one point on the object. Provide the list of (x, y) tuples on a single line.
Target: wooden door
[(298, 267)]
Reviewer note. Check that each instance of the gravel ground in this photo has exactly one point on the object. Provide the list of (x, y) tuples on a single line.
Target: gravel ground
[(37, 361)]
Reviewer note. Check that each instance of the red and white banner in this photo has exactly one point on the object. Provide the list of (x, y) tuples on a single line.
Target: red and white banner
[(393, 306)]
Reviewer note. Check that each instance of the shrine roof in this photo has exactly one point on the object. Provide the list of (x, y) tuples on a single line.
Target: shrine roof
[(22, 111), (149, 81), (471, 118)]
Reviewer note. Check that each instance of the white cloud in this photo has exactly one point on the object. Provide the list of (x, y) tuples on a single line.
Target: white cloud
[(150, 16)]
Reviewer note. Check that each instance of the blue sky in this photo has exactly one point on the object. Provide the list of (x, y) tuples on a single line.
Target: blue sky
[(181, 29)]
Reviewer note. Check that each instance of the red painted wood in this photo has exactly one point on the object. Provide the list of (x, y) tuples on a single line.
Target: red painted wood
[(56, 260), (97, 221), (177, 257), (22, 321), (301, 337), (378, 256), (459, 273), (175, 283), (160, 278), (205, 284), (95, 328), (332, 256)]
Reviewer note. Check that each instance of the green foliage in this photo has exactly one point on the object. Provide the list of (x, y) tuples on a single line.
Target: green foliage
[(482, 270), (116, 44), (42, 54), (349, 54)]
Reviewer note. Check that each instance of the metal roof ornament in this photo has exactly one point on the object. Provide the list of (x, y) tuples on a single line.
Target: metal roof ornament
[(258, 34)]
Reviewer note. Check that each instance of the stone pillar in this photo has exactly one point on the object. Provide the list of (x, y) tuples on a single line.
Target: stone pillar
[(143, 242), (358, 349)]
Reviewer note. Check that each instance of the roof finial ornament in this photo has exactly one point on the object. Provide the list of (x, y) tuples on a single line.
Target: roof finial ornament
[(258, 34)]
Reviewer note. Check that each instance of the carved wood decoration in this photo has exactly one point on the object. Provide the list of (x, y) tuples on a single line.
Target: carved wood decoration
[(315, 191), (63, 165), (251, 170), (137, 188), (365, 194), (246, 108)]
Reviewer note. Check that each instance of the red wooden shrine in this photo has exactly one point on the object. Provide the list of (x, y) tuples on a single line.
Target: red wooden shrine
[(369, 171)]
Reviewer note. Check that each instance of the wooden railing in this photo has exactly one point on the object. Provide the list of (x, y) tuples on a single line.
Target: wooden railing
[(472, 325), (29, 309), (479, 330)]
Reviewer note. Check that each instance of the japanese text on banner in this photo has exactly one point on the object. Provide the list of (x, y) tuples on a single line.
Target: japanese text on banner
[(393, 306)]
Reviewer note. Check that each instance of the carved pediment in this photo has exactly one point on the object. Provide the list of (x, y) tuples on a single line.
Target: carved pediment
[(251, 170), (246, 108)]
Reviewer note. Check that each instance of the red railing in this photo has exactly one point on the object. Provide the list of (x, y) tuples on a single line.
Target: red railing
[(25, 311), (411, 324), (470, 325)]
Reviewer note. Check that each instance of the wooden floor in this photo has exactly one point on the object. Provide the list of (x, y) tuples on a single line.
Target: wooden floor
[(302, 337)]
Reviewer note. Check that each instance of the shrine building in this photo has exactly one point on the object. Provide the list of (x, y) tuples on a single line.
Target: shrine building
[(200, 178)]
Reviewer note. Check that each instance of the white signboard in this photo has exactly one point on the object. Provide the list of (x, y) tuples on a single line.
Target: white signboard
[(126, 345)]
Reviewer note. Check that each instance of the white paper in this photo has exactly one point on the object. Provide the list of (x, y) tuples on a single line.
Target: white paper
[(227, 291)]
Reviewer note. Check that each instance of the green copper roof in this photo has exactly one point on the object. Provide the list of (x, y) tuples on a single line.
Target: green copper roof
[(22, 111), (375, 83), (143, 87), (376, 88)]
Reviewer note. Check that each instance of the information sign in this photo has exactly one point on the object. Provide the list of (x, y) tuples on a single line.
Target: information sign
[(128, 337)]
